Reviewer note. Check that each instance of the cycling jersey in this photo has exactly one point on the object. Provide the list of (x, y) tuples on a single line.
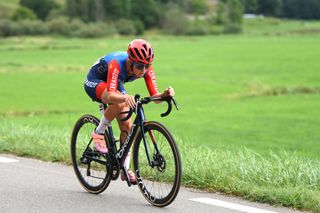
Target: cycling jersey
[(110, 72)]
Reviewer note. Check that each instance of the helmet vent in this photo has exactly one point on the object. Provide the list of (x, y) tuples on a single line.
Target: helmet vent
[(131, 53), (138, 53), (145, 47), (144, 53)]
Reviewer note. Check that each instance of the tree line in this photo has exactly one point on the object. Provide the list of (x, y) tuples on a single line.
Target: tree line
[(292, 9), (93, 18), (151, 13)]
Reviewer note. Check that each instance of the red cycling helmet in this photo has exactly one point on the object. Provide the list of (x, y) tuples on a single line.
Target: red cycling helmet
[(140, 51)]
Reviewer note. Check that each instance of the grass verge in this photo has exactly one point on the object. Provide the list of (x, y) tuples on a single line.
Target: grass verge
[(278, 178)]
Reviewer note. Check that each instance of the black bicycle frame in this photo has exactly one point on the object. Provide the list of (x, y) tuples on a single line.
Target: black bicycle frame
[(122, 153)]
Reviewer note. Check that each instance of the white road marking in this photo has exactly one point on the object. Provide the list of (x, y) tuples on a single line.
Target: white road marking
[(7, 160), (230, 205)]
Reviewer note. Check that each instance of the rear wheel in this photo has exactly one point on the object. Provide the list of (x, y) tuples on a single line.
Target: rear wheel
[(159, 182), (91, 167)]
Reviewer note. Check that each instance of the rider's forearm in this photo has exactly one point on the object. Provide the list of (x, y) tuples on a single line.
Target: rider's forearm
[(158, 95)]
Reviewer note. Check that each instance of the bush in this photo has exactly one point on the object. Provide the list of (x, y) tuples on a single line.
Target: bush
[(109, 29), (76, 25), (23, 13), (205, 27), (175, 21), (26, 27), (59, 26), (89, 31), (197, 28), (139, 26), (229, 15), (221, 14), (199, 7), (10, 28), (232, 28), (94, 30), (216, 29), (126, 27), (37, 27)]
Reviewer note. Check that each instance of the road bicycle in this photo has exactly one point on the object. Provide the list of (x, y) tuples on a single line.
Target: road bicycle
[(156, 158)]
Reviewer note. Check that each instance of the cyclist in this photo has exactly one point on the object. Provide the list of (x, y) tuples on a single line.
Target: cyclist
[(105, 84)]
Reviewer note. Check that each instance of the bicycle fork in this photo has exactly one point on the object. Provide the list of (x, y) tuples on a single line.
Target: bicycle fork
[(154, 142)]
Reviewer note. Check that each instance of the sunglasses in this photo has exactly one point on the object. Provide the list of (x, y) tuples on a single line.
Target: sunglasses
[(141, 66)]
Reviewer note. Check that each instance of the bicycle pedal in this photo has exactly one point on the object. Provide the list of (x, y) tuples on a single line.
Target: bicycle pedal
[(84, 160), (114, 174)]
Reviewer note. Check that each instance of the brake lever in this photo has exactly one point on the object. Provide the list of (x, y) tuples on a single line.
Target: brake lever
[(137, 99), (175, 103)]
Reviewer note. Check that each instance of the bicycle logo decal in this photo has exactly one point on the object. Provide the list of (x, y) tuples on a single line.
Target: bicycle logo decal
[(124, 146), (144, 188)]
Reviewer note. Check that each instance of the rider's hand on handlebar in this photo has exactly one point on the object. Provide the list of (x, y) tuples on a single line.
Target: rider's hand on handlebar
[(130, 102), (168, 92)]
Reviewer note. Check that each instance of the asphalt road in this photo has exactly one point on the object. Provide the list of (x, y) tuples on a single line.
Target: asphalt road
[(28, 185)]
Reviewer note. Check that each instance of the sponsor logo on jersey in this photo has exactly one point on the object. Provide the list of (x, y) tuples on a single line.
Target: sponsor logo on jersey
[(114, 78), (90, 83), (153, 80)]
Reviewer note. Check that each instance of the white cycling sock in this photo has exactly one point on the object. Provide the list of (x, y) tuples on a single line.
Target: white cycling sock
[(102, 125)]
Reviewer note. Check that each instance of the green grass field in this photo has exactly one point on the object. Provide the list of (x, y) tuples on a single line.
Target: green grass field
[(222, 86), (249, 106)]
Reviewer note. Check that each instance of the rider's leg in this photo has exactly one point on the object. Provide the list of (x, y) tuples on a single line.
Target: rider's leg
[(98, 135), (125, 127), (109, 114), (104, 123)]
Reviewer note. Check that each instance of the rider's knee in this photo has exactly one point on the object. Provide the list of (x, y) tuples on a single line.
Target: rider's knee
[(105, 97)]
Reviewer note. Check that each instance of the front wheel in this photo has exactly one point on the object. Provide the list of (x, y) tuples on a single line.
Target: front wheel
[(157, 164)]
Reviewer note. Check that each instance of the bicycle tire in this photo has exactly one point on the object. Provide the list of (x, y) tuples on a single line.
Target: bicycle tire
[(156, 177), (81, 145)]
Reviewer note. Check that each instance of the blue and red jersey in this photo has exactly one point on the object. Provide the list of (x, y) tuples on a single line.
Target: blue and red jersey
[(110, 72)]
